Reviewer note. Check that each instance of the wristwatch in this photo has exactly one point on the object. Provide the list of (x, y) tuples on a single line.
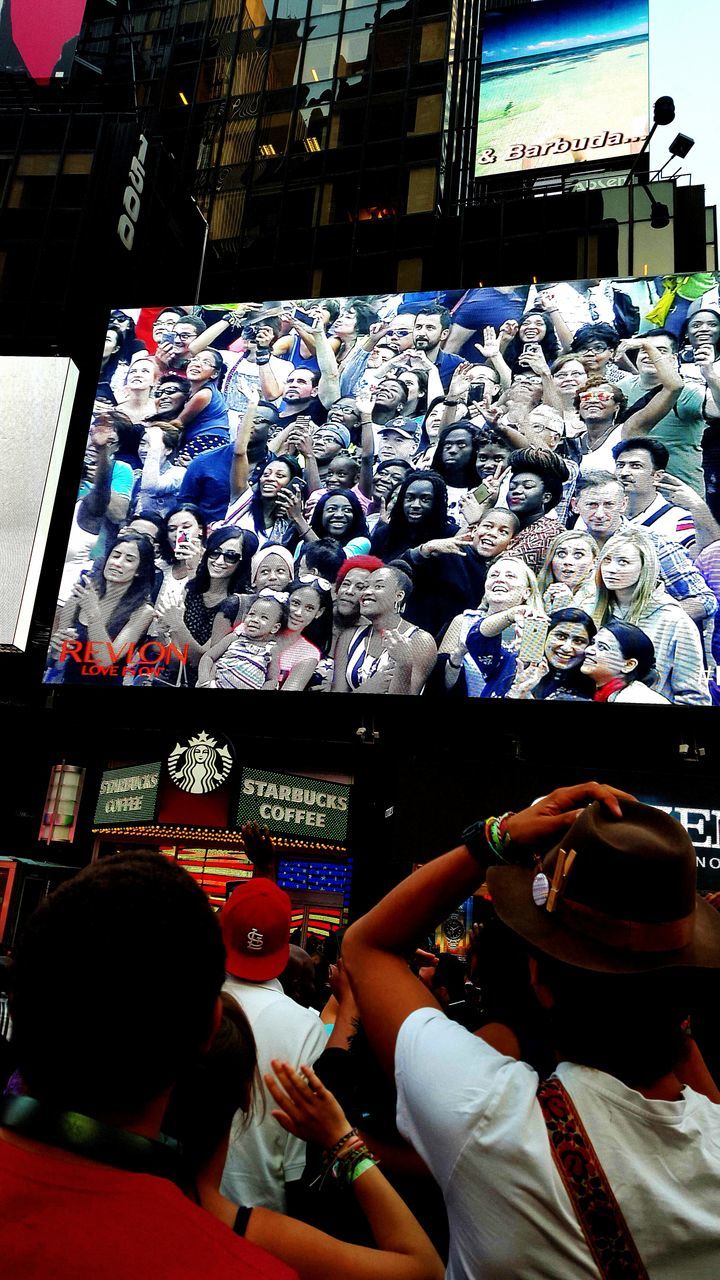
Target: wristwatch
[(473, 837)]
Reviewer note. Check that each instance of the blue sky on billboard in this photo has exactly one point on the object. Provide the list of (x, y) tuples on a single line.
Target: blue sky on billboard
[(555, 25)]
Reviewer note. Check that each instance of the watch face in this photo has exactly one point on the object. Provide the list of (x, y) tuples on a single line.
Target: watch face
[(454, 927)]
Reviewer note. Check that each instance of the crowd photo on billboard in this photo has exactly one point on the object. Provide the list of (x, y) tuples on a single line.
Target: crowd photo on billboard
[(489, 493)]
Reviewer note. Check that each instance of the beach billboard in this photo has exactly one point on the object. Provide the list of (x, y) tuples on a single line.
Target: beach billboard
[(562, 82)]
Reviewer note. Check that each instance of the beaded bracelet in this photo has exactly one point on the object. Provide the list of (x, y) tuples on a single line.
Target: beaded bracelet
[(497, 834), (331, 1152), (347, 1165)]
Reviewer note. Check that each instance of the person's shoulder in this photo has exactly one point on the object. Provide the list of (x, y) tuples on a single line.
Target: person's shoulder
[(220, 1252), (692, 397)]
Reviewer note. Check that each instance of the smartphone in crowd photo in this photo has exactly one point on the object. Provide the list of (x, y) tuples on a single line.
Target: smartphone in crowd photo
[(532, 641)]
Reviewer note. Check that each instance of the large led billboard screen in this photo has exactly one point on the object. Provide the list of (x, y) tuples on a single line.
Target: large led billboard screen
[(496, 493), (562, 81), (39, 38)]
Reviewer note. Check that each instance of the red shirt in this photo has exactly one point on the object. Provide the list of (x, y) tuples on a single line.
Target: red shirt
[(64, 1219)]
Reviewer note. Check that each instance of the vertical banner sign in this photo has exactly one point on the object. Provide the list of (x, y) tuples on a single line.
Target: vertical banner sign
[(562, 81), (294, 805), (128, 795)]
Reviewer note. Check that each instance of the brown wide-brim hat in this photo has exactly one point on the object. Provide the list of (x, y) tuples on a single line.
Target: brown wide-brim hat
[(628, 903)]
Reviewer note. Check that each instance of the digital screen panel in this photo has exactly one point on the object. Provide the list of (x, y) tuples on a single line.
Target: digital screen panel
[(39, 38), (36, 400), (490, 493), (562, 82)]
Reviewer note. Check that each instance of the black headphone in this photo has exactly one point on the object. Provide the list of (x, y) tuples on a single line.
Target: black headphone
[(91, 1138)]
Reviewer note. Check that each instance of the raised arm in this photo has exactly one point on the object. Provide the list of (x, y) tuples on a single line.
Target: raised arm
[(671, 384), (367, 445), (240, 466), (548, 301), (311, 1112), (490, 349), (707, 529), (710, 370), (375, 947)]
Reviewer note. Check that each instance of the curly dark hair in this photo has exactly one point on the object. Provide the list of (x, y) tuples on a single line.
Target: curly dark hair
[(358, 528), (551, 469)]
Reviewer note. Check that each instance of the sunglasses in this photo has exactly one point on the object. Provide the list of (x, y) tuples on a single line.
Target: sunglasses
[(230, 557), (603, 396)]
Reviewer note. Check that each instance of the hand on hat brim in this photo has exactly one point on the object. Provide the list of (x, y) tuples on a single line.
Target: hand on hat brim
[(542, 824)]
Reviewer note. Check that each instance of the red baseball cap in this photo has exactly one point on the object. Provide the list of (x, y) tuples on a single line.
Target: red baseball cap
[(255, 924)]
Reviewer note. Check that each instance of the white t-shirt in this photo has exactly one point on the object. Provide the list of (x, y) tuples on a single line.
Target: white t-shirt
[(262, 1156), (601, 459), (669, 521), (473, 1116)]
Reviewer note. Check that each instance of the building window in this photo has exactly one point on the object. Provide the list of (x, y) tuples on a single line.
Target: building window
[(409, 275), (319, 61), (428, 113), (37, 166), (433, 37), (421, 190)]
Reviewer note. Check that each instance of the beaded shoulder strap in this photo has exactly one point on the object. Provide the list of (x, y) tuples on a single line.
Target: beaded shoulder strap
[(591, 1195)]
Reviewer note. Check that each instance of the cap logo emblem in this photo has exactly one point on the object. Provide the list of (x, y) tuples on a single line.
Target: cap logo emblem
[(255, 940)]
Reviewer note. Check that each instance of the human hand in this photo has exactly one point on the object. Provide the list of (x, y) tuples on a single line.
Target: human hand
[(340, 983), (289, 503), (677, 492), (490, 345), (265, 337), (543, 823), (557, 596), (365, 406), (305, 1107), (170, 616), (102, 433), (527, 676), (507, 331), (189, 549), (535, 361), (164, 353), (455, 546), (546, 300), (301, 437), (88, 600), (495, 482), (398, 646), (471, 510), (461, 381), (705, 358), (259, 848)]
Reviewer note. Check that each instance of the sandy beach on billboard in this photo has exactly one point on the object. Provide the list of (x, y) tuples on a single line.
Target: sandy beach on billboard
[(536, 102)]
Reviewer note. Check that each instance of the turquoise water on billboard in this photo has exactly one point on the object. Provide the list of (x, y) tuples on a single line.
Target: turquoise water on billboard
[(563, 98)]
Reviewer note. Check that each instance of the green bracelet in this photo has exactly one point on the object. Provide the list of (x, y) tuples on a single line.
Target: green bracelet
[(362, 1167)]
